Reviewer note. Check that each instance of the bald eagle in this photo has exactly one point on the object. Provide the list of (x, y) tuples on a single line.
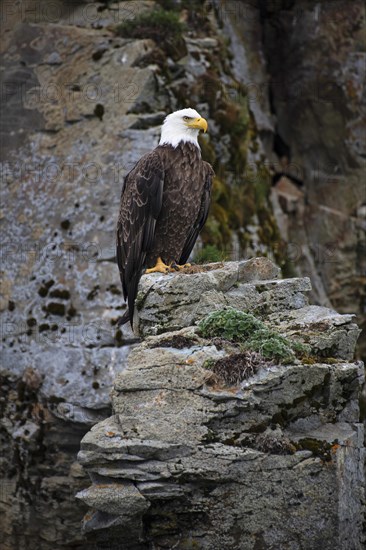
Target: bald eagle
[(164, 204)]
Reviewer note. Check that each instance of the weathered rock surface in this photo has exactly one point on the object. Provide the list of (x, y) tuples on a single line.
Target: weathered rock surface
[(188, 461)]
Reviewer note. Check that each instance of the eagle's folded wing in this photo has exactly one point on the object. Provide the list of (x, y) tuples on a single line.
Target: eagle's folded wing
[(202, 215), (141, 202)]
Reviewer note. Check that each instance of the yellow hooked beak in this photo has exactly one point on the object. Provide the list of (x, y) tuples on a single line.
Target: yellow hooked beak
[(198, 124)]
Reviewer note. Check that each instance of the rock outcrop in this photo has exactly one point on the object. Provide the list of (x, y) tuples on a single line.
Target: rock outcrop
[(190, 460)]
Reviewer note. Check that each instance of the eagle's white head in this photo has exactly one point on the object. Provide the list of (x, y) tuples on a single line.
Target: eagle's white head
[(183, 125)]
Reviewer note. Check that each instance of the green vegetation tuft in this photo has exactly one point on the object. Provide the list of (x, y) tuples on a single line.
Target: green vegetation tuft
[(322, 449), (271, 345), (159, 25), (230, 324), (246, 329), (209, 254), (169, 5)]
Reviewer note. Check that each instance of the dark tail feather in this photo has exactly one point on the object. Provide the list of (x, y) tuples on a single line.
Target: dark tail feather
[(132, 292), (124, 319)]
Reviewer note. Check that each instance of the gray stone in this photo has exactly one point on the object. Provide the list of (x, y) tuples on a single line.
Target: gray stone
[(79, 378), (329, 333), (122, 499), (164, 304), (54, 59), (209, 455)]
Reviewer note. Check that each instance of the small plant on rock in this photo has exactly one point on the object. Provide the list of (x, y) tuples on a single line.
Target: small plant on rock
[(271, 345), (161, 26), (252, 335), (230, 324)]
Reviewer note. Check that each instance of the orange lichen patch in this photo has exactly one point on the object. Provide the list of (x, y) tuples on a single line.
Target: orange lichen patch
[(190, 361), (110, 434), (335, 448), (37, 411), (160, 399), (218, 385)]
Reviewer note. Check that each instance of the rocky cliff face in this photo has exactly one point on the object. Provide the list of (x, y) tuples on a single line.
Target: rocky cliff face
[(214, 446), (84, 92), (303, 64), (317, 73)]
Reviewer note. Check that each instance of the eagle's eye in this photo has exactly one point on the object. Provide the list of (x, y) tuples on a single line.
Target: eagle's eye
[(187, 118)]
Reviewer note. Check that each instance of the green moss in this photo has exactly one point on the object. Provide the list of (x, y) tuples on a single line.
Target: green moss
[(322, 449), (140, 300), (253, 335), (209, 254), (157, 24), (230, 324), (208, 364), (271, 346), (207, 149), (300, 348), (160, 25), (331, 360)]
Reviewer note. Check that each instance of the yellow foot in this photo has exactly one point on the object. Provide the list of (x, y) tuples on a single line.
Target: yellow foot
[(160, 267), (177, 267)]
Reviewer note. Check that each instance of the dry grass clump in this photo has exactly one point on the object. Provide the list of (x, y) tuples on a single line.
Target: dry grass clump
[(235, 368)]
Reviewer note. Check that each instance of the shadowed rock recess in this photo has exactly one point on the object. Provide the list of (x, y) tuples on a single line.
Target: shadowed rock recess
[(189, 460)]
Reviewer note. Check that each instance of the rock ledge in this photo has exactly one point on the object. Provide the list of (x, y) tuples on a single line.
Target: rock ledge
[(187, 462)]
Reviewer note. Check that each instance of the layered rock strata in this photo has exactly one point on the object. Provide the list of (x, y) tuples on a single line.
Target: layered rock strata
[(189, 461)]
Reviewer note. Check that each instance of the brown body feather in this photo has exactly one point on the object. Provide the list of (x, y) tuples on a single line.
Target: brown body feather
[(164, 205)]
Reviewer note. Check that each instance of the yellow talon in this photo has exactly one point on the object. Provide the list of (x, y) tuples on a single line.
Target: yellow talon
[(160, 267)]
